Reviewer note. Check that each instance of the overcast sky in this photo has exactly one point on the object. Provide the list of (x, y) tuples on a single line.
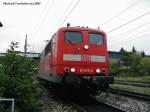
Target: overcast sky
[(126, 22)]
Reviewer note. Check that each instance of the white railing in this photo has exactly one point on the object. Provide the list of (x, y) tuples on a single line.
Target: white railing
[(12, 104)]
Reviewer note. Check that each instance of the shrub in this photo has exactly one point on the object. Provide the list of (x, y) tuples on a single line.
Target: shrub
[(114, 67), (145, 66), (17, 80)]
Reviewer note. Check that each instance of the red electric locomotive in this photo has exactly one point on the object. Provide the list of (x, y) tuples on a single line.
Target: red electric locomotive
[(76, 56)]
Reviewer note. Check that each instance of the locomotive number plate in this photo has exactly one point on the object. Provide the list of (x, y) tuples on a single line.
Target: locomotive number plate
[(86, 70)]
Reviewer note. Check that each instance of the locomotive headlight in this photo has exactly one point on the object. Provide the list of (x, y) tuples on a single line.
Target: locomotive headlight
[(98, 70), (86, 47), (72, 70)]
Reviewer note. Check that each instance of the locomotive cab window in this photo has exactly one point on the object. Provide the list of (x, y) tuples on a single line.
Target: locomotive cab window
[(73, 37), (96, 39)]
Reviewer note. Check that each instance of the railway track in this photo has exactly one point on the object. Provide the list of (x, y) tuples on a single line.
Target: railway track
[(132, 83), (85, 103), (89, 104), (130, 94)]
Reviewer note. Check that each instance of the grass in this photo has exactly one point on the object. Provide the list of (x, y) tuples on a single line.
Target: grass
[(140, 79), (130, 88)]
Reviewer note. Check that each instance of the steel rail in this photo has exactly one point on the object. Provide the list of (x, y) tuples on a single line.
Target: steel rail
[(85, 103), (130, 94), (93, 105), (133, 83)]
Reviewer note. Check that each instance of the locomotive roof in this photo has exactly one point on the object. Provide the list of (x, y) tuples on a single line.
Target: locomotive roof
[(82, 29)]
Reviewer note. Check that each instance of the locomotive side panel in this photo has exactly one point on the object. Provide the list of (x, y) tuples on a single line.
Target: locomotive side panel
[(49, 60)]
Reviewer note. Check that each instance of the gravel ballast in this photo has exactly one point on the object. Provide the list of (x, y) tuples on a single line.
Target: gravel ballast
[(53, 104), (128, 104)]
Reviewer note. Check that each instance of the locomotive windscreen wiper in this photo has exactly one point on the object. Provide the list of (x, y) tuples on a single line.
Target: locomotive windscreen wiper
[(70, 42), (98, 42)]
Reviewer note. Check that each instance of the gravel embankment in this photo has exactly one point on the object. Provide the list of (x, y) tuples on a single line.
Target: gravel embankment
[(52, 104), (128, 104)]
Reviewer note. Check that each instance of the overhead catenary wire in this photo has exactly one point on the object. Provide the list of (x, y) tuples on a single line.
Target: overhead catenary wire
[(71, 2), (68, 7), (135, 28), (48, 7), (73, 8), (131, 38), (48, 10), (130, 21), (130, 31), (42, 12), (121, 12), (144, 36)]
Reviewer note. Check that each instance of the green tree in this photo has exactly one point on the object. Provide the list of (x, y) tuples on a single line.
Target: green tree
[(133, 50), (114, 67), (143, 54), (135, 64), (18, 80), (122, 50), (145, 63), (132, 61), (126, 58)]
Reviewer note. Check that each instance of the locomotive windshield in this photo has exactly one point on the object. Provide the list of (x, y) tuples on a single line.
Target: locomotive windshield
[(73, 37), (96, 39)]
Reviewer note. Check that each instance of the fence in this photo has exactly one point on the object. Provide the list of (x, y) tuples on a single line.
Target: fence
[(12, 104)]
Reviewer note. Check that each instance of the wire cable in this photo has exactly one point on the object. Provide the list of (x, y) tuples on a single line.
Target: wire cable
[(136, 28), (48, 10), (122, 25), (41, 15), (129, 38), (73, 8), (68, 7), (133, 30), (49, 7), (121, 12)]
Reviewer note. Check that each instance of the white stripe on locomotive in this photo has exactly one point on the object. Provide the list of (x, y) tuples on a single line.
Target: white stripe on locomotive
[(74, 57)]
